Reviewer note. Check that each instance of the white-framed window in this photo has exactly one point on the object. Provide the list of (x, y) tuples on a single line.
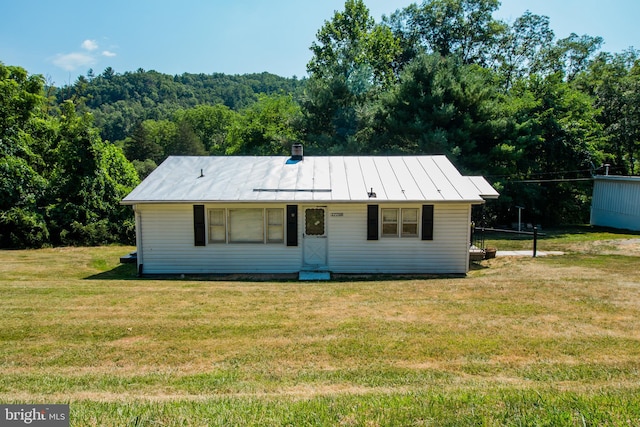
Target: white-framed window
[(275, 225), (389, 222), (409, 222), (246, 225), (398, 222), (217, 226)]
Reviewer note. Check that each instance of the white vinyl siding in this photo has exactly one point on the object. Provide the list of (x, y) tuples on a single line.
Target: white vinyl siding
[(166, 243), (350, 252), (166, 246)]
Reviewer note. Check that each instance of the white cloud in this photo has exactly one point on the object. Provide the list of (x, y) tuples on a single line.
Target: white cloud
[(88, 57), (89, 45), (74, 60)]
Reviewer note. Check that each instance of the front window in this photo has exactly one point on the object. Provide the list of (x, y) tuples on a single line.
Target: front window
[(217, 226), (389, 222), (246, 225), (275, 226), (409, 222), (400, 222)]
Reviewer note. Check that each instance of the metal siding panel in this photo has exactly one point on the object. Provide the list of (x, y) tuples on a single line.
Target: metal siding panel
[(616, 203)]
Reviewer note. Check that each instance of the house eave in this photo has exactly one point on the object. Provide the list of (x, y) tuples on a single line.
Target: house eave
[(365, 201)]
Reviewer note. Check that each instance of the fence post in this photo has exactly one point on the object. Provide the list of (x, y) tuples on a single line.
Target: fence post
[(535, 241)]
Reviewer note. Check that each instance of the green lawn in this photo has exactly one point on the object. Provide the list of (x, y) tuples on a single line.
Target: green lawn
[(572, 239), (520, 341)]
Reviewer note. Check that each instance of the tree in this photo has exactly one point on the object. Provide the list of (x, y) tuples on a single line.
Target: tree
[(351, 44), (440, 107), (614, 81), (353, 63), (24, 144), (90, 179), (267, 127), (520, 48), (185, 142), (147, 142), (462, 28), (555, 138), (576, 53), (211, 123)]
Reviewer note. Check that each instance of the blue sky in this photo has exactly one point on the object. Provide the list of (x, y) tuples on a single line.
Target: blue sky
[(64, 39)]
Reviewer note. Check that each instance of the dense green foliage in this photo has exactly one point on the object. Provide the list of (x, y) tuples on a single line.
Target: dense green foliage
[(532, 113), (59, 182)]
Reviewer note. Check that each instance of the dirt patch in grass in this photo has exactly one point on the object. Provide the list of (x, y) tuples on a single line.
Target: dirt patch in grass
[(628, 247)]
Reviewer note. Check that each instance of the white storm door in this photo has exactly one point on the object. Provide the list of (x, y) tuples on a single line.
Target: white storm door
[(315, 237)]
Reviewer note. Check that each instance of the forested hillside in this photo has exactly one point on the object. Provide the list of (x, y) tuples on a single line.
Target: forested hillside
[(535, 114), (119, 102)]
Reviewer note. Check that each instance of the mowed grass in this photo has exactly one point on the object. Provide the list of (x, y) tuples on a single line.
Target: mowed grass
[(519, 341)]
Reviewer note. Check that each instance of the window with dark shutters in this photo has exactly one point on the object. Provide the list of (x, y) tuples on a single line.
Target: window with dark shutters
[(372, 222), (427, 222), (199, 226), (292, 225)]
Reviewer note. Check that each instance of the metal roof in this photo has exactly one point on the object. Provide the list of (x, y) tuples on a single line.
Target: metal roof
[(193, 179), (617, 178)]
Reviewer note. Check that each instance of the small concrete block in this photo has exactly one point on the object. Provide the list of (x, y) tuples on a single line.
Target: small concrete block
[(314, 275)]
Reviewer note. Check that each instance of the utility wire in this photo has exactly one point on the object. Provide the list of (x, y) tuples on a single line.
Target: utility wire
[(538, 181)]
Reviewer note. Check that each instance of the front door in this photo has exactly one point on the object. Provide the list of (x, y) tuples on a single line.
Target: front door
[(315, 237)]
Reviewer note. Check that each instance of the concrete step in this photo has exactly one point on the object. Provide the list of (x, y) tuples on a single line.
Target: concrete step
[(314, 275)]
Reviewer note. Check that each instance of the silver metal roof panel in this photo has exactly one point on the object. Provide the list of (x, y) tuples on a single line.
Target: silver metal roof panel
[(319, 179)]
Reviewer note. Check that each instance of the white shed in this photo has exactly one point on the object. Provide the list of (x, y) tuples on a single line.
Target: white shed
[(278, 214), (616, 202)]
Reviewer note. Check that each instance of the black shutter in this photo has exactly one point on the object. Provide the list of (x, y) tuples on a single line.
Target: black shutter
[(199, 226), (292, 225), (372, 222), (427, 222)]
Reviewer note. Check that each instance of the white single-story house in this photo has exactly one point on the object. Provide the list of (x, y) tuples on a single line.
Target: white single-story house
[(279, 214), (616, 202)]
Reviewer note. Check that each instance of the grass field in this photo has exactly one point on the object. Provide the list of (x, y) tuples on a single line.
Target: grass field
[(549, 341)]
